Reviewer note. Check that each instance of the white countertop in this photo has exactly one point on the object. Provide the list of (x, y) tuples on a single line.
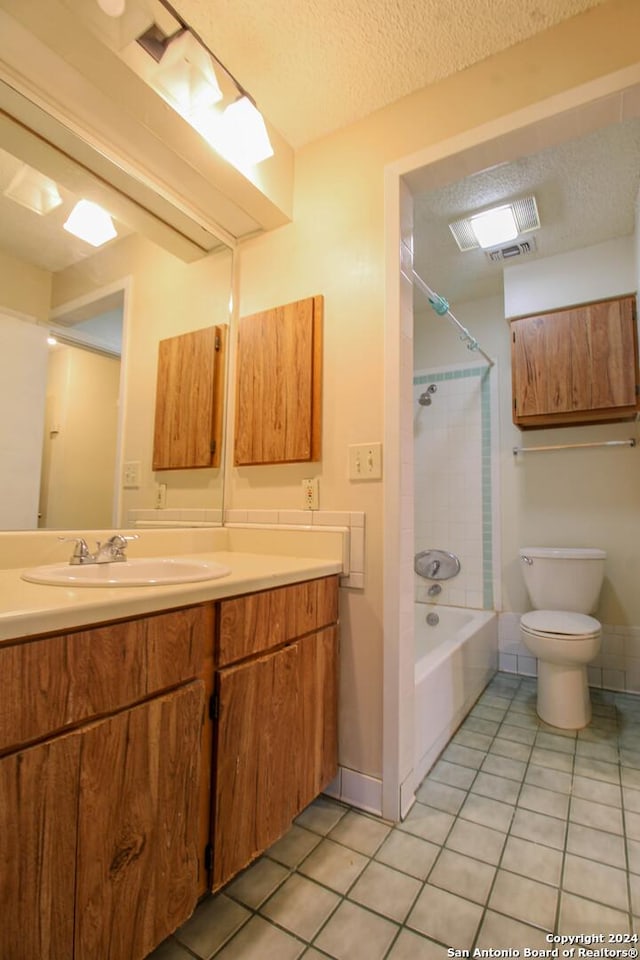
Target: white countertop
[(30, 609)]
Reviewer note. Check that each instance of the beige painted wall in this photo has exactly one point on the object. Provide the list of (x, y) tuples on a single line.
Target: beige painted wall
[(23, 287), (165, 297), (335, 246)]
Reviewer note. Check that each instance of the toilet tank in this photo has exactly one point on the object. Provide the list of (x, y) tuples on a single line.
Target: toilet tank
[(563, 578)]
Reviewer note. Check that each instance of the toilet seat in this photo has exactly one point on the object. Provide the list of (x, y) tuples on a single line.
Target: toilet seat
[(560, 625)]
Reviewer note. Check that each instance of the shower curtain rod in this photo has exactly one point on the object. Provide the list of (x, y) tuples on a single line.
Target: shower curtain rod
[(441, 307)]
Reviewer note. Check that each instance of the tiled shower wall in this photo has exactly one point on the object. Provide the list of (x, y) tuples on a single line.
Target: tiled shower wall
[(454, 480)]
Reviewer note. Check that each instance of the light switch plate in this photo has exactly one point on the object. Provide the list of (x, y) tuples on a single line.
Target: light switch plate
[(131, 475), (365, 461)]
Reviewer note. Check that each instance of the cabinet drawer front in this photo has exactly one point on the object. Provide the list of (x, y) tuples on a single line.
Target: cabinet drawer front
[(49, 684), (261, 621)]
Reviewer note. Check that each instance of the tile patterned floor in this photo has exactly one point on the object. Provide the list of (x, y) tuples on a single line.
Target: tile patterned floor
[(518, 830)]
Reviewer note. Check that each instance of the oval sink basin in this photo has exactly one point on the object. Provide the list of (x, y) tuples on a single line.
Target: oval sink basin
[(139, 572)]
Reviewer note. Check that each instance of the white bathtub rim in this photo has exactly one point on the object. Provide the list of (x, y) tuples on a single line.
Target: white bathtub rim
[(430, 661)]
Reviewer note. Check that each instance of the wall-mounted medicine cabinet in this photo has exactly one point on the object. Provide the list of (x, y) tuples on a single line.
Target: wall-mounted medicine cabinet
[(577, 365)]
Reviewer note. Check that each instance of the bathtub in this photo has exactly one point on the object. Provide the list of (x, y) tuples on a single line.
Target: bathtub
[(454, 661)]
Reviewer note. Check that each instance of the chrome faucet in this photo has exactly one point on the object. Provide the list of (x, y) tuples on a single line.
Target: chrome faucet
[(111, 551)]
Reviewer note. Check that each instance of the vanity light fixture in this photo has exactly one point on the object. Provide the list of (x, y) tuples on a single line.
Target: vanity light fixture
[(91, 223), (112, 8), (51, 341), (31, 189), (243, 134), (497, 225), (186, 78)]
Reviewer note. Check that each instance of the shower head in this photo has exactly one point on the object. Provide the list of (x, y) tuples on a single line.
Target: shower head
[(425, 398)]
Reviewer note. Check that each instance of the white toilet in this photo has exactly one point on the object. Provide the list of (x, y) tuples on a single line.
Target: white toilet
[(563, 585)]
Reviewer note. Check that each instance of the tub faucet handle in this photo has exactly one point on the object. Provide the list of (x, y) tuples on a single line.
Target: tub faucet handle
[(525, 559)]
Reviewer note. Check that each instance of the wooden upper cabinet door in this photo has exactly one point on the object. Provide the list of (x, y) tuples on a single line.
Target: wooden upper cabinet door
[(576, 365), (279, 384), (189, 400)]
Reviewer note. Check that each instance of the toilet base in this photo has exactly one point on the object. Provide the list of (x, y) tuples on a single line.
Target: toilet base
[(563, 695)]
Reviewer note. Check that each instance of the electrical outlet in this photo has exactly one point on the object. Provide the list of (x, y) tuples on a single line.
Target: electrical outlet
[(365, 461), (311, 493), (161, 496), (131, 475)]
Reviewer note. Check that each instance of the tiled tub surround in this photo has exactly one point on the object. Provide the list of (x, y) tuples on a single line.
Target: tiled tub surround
[(518, 831), (455, 479), (617, 666)]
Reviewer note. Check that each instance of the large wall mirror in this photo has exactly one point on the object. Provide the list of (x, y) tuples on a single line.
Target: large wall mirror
[(76, 432)]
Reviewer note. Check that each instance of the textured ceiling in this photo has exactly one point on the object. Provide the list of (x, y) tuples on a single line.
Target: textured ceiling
[(314, 66), (586, 191)]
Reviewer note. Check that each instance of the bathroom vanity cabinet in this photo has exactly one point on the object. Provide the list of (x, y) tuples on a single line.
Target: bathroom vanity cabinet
[(575, 366), (100, 741), (145, 761)]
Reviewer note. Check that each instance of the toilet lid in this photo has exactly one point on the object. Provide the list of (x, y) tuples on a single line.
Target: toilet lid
[(560, 623)]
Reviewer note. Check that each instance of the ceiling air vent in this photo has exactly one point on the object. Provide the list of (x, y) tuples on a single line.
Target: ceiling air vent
[(522, 248)]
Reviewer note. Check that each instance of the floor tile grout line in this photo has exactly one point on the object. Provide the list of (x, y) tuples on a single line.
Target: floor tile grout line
[(621, 765), (501, 858), (561, 888)]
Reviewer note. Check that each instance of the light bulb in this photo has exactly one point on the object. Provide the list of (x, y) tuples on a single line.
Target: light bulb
[(112, 8)]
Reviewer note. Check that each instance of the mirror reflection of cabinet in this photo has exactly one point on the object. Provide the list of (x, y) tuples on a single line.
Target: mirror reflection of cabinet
[(279, 384), (189, 400)]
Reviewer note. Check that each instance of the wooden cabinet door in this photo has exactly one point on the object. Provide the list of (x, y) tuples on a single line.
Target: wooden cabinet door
[(575, 365), (318, 685), (138, 827), (256, 758), (189, 400), (38, 826), (279, 384), (276, 746)]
